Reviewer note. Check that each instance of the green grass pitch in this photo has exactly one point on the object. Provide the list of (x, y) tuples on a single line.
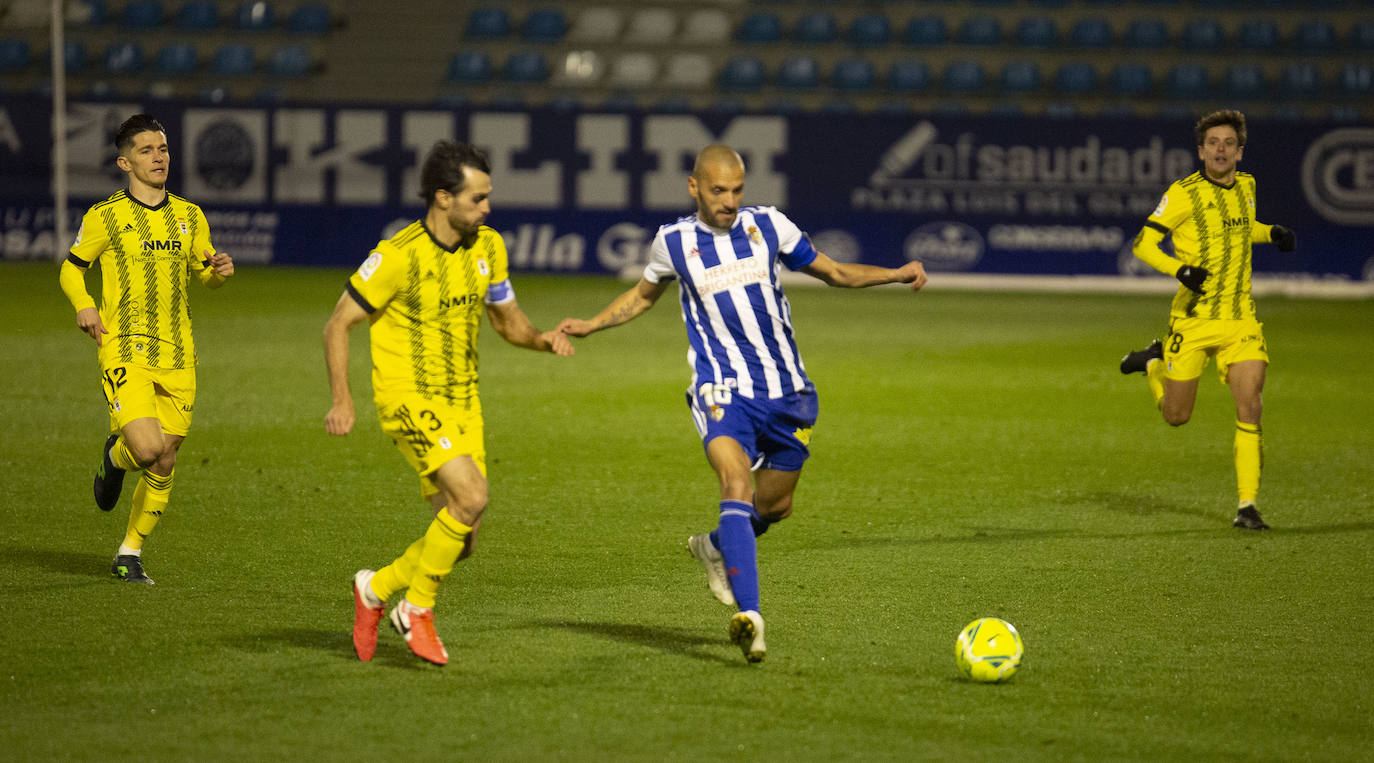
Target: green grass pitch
[(977, 454)]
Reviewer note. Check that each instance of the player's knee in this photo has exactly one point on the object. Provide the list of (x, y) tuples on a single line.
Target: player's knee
[(777, 510), (145, 453), (1176, 418), (468, 508)]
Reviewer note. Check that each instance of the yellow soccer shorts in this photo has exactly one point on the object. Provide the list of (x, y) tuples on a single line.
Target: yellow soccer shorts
[(1192, 341), (136, 392), (430, 433)]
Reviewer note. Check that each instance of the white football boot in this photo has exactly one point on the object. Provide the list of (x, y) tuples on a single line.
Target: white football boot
[(716, 579), (746, 629)]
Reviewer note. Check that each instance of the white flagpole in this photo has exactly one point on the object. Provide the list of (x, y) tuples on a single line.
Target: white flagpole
[(59, 131)]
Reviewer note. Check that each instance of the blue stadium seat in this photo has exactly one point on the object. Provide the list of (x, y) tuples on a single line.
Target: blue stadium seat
[(470, 66), (742, 74), (1300, 80), (963, 77), (870, 31), (488, 24), (1344, 113), (908, 75), (950, 109), (214, 94), (1131, 79), (527, 67), (816, 28), (1315, 37), (175, 60), (853, 74), (256, 16), (1091, 33), (123, 58), (759, 27), (1245, 81), (979, 30), (1020, 77), (1202, 35), (290, 61), (1004, 109), (544, 25), (313, 19), (73, 56), (268, 96), (235, 60), (88, 12), (14, 55), (1188, 81), (838, 106), (1036, 32), (1258, 34), (1117, 111), (799, 73), (1060, 110), (1362, 36), (198, 16), (1075, 78), (142, 14), (925, 31), (1355, 80), (1147, 33), (100, 90)]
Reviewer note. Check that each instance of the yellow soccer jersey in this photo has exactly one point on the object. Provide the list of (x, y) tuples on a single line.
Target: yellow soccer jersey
[(147, 255), (1213, 226), (426, 303)]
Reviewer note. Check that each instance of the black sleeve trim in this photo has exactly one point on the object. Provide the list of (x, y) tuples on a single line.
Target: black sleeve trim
[(1156, 226), (77, 261), (352, 292)]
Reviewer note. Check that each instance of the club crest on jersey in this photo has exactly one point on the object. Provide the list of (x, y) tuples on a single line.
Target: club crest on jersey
[(370, 265), (181, 223), (694, 253), (716, 413), (754, 236), (483, 268)]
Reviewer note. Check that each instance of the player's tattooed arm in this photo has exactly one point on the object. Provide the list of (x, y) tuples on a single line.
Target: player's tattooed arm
[(624, 308)]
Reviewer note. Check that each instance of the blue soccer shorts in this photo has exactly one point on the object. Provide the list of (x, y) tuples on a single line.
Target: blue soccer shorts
[(775, 433)]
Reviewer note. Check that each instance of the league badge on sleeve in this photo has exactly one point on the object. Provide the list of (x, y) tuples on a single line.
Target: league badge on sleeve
[(370, 265)]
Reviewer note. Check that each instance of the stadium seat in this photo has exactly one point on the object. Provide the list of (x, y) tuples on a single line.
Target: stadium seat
[(601, 24), (1344, 113), (759, 28), (100, 90), (1036, 32), (651, 26), (950, 109), (707, 26), (1314, 37), (312, 19), (815, 28), (870, 31), (908, 75), (176, 60), (268, 96), (123, 58), (687, 71), (1188, 81), (742, 74), (1117, 111), (1091, 33), (673, 106), (235, 60), (1203, 36), (527, 67), (925, 32), (198, 16), (1131, 79), (142, 14), (255, 16), (853, 74), (1362, 36), (88, 12), (290, 61), (470, 66), (799, 73), (1147, 33), (636, 69), (73, 56), (1020, 77), (838, 106), (963, 77), (1075, 78), (215, 94), (14, 55), (979, 30), (1258, 34), (544, 25), (488, 24), (1300, 80), (1355, 80), (619, 103), (1060, 110), (1005, 109), (1245, 81)]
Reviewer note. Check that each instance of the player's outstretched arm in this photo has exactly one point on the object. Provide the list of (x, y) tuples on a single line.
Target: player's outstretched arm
[(515, 327), (626, 307), (855, 276), (347, 314)]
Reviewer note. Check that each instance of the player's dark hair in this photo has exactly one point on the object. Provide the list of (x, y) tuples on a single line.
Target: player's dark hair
[(133, 126), (1217, 118), (443, 168)]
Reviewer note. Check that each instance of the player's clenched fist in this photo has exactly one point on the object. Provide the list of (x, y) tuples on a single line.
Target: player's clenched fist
[(339, 420)]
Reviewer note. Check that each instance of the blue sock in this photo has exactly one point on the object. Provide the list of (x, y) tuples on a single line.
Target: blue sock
[(736, 540), (756, 520)]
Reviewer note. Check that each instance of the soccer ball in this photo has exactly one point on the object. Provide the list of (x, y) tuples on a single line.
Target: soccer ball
[(988, 650)]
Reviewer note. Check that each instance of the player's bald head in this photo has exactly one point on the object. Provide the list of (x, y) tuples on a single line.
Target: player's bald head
[(716, 156)]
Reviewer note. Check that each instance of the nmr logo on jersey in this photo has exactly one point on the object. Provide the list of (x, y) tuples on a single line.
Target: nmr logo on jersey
[(459, 301), (173, 245)]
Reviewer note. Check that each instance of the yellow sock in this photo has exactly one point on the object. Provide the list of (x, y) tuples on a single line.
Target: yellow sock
[(121, 457), (1249, 460), (1154, 375), (444, 541), (396, 576), (150, 500)]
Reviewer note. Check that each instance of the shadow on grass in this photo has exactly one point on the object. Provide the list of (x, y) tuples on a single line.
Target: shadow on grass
[(336, 643), (685, 642), (83, 563), (1137, 505)]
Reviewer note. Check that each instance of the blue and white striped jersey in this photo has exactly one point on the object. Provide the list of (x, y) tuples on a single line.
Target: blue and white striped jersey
[(739, 325)]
